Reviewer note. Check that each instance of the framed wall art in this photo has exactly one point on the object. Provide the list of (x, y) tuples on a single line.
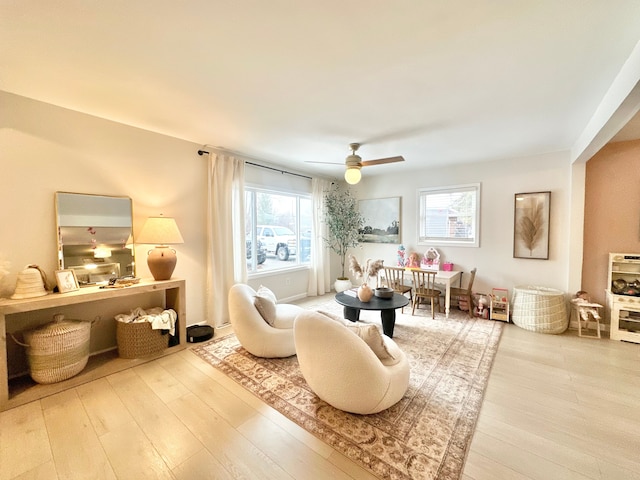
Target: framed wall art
[(531, 225), (381, 220), (67, 281)]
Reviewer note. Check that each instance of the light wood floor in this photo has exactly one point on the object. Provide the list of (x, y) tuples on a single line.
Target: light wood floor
[(556, 407)]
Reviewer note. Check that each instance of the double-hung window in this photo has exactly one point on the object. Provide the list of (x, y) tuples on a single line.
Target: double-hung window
[(449, 215), (278, 229)]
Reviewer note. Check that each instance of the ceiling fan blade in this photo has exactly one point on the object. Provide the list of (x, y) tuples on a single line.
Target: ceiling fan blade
[(324, 163), (381, 161)]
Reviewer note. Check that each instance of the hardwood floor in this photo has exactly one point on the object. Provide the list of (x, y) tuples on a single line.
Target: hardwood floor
[(556, 407)]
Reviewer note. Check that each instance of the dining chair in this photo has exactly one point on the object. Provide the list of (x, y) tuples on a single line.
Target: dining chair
[(466, 293), (424, 288), (395, 279)]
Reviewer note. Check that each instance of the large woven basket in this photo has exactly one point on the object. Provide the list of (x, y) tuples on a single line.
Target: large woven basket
[(58, 350), (540, 309), (138, 339)]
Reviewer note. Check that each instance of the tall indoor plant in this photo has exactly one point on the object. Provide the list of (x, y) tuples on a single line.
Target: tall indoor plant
[(344, 222)]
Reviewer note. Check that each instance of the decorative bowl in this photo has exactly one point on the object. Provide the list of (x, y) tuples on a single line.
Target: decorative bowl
[(384, 292)]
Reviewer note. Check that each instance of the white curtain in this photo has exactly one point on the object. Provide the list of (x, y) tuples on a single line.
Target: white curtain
[(320, 274), (226, 248)]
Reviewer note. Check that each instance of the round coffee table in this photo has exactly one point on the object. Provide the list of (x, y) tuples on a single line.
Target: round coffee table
[(387, 307)]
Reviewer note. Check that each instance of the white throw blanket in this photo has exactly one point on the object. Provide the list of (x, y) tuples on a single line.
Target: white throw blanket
[(159, 318)]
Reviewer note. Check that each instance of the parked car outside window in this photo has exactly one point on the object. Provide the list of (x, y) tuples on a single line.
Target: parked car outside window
[(279, 241), (262, 252)]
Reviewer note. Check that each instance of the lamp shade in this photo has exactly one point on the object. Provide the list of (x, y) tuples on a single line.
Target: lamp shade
[(352, 175), (160, 231)]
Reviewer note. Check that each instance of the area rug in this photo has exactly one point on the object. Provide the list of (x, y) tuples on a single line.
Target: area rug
[(424, 436)]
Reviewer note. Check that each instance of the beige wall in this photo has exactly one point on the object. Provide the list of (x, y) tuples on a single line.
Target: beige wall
[(500, 180), (46, 148), (612, 211)]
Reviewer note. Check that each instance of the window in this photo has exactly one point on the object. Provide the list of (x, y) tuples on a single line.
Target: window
[(278, 229), (449, 215)]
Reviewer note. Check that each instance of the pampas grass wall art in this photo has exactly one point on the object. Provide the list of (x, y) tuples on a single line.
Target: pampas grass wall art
[(531, 225)]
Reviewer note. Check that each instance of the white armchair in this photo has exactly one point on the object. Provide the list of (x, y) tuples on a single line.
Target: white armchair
[(254, 333), (343, 370)]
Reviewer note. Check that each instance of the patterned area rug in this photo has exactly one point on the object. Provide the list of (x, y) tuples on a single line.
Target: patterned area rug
[(424, 436)]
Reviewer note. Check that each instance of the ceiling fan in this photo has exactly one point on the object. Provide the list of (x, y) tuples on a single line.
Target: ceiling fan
[(354, 163)]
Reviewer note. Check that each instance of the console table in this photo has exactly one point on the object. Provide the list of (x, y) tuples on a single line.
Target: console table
[(99, 365)]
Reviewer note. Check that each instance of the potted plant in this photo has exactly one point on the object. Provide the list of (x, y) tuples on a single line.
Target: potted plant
[(344, 223)]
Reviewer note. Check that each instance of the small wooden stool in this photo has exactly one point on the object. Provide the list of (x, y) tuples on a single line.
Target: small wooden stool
[(587, 313)]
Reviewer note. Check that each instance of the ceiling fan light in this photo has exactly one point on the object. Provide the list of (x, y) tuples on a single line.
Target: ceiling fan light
[(352, 175)]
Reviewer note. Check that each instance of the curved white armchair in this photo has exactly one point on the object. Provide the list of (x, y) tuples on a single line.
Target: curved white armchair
[(343, 370), (253, 332)]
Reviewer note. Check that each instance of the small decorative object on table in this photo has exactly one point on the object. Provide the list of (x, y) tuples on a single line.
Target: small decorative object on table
[(431, 260), (371, 270), (384, 292), (32, 282), (414, 260), (400, 258)]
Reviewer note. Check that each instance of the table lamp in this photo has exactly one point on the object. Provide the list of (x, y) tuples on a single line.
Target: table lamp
[(161, 231)]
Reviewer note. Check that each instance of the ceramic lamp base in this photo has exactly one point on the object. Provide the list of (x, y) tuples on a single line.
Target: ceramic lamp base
[(162, 261)]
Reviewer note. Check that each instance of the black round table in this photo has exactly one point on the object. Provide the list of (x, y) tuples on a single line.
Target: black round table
[(387, 307)]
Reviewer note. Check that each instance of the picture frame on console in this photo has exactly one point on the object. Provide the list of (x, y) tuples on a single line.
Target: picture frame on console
[(67, 281)]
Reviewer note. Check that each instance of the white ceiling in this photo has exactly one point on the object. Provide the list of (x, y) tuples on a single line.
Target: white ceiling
[(439, 82)]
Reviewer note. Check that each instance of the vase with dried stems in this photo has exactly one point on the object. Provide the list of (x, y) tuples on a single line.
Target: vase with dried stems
[(371, 269)]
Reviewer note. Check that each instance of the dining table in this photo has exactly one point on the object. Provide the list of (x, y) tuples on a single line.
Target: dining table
[(446, 278)]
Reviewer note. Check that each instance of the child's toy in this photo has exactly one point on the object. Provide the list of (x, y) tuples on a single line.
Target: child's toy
[(400, 257), (431, 260), (482, 309), (499, 304), (414, 260), (584, 310)]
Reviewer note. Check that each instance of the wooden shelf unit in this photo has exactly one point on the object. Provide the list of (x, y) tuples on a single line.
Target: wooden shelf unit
[(24, 390), (623, 308)]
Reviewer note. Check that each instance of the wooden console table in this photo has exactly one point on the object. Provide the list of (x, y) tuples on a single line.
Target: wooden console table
[(99, 365)]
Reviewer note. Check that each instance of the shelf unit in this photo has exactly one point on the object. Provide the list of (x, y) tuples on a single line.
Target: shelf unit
[(499, 308), (24, 390), (623, 296)]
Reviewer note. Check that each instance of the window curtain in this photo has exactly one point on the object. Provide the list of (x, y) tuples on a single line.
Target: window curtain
[(226, 250), (320, 274)]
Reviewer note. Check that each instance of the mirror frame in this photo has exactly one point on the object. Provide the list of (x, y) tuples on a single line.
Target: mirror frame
[(98, 271)]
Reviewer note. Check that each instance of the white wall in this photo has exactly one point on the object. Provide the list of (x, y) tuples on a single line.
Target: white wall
[(45, 149), (500, 181)]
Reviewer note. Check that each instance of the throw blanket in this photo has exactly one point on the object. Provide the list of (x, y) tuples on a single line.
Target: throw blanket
[(160, 319)]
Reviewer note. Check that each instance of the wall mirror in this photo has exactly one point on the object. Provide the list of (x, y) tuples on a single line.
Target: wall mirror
[(95, 236)]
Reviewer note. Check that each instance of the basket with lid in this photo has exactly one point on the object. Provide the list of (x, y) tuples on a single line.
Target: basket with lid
[(58, 350)]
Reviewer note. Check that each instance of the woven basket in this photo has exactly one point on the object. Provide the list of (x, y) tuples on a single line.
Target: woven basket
[(58, 350), (540, 309), (138, 339)]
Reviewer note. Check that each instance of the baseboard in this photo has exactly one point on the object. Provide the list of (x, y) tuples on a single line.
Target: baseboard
[(293, 298)]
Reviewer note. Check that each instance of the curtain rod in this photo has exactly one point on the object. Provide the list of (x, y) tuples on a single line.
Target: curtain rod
[(202, 152)]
